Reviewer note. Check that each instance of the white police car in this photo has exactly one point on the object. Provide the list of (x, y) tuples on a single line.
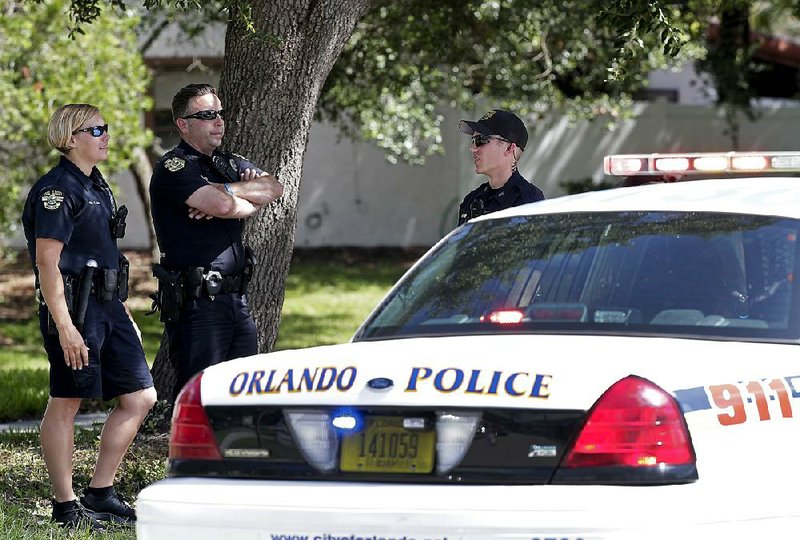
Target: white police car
[(616, 364)]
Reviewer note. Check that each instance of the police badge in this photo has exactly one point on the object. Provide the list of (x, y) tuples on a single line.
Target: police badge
[(174, 164), (52, 199)]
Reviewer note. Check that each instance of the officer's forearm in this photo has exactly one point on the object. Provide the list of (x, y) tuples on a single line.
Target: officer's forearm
[(242, 209), (213, 200), (235, 208), (260, 190), (51, 285)]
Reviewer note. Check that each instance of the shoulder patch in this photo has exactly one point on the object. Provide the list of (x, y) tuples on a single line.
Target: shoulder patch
[(52, 199), (234, 165), (174, 164)]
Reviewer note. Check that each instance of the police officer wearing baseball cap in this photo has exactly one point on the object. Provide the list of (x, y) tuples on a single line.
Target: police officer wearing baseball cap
[(498, 140)]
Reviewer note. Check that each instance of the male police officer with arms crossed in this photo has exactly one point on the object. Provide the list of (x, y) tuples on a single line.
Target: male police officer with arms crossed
[(498, 140), (200, 196)]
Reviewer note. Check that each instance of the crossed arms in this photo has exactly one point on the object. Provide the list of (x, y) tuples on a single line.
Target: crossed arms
[(249, 195)]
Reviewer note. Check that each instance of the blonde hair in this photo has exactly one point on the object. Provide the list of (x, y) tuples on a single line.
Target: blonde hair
[(65, 120)]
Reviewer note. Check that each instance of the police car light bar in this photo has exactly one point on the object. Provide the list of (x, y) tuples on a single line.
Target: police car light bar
[(700, 163)]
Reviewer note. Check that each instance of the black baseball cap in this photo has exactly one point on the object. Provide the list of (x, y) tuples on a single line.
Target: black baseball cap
[(504, 124)]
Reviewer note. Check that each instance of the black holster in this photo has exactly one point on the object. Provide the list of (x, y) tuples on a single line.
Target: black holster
[(123, 277), (169, 297), (250, 263), (194, 283), (106, 285)]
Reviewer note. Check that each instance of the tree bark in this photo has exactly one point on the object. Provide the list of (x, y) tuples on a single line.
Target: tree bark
[(270, 85), (163, 371), (142, 169)]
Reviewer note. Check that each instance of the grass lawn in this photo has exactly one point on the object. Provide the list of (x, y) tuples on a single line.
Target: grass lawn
[(327, 297)]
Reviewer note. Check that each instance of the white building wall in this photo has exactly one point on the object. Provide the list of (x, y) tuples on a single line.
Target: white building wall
[(351, 196), (690, 86)]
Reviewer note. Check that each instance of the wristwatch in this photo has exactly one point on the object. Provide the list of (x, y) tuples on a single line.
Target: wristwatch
[(228, 189)]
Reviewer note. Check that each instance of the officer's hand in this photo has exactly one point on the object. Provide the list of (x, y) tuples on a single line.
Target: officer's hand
[(248, 174), (76, 353), (194, 213)]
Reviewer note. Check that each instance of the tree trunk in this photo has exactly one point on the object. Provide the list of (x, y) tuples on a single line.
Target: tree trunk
[(142, 169), (269, 85), (163, 371)]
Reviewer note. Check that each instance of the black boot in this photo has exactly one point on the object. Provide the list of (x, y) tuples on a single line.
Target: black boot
[(70, 514), (106, 505)]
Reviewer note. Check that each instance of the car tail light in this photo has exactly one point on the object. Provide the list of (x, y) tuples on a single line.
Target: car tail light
[(191, 436), (633, 424)]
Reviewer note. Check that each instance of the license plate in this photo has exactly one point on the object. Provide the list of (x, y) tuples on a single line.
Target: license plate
[(385, 446)]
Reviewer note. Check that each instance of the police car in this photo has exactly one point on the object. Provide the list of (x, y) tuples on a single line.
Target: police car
[(615, 364)]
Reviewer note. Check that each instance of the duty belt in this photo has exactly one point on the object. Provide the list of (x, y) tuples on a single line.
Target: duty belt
[(227, 284), (176, 287), (106, 284), (198, 283)]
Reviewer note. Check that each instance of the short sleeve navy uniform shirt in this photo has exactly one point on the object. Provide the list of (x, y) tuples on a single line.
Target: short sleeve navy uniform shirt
[(213, 244), (75, 209)]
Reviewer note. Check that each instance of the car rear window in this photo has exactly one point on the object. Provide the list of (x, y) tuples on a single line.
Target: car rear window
[(687, 273)]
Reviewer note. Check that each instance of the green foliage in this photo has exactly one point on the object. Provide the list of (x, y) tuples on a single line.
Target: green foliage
[(24, 392), (25, 505), (582, 58), (158, 419), (151, 329), (42, 67), (326, 301), (24, 333), (17, 522)]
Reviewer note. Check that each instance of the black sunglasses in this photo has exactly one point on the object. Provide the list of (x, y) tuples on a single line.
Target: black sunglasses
[(206, 115), (96, 131), (479, 139)]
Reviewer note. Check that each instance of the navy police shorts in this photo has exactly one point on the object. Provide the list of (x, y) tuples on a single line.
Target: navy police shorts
[(117, 364)]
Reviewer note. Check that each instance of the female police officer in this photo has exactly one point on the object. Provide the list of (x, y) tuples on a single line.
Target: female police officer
[(71, 224)]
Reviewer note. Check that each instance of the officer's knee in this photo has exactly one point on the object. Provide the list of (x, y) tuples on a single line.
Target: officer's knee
[(62, 409), (149, 398), (140, 402)]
